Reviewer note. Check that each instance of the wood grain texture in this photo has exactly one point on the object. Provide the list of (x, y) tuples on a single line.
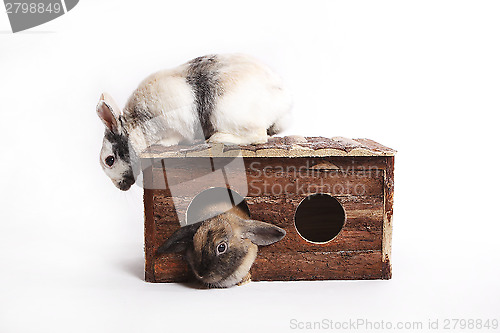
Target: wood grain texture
[(171, 268), (362, 229), (388, 211), (290, 266), (275, 266), (291, 146), (266, 177), (361, 250)]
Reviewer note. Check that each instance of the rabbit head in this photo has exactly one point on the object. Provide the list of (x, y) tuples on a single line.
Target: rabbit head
[(118, 159), (222, 249)]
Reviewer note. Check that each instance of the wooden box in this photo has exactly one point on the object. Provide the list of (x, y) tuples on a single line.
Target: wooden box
[(333, 197)]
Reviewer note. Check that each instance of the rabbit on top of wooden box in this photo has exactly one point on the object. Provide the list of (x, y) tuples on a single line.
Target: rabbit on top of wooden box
[(220, 98)]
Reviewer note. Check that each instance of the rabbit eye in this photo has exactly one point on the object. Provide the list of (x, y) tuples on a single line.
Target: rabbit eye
[(110, 160), (221, 248)]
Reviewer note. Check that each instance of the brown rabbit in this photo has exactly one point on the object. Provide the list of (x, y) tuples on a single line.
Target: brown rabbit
[(221, 250)]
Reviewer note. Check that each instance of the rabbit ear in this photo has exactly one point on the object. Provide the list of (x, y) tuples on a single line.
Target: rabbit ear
[(180, 240), (261, 233), (108, 111)]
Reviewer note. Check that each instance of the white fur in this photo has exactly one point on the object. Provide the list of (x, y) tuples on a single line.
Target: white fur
[(256, 99), (170, 99), (253, 100)]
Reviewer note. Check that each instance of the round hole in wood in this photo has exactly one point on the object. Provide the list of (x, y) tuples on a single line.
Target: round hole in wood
[(319, 218), (212, 202)]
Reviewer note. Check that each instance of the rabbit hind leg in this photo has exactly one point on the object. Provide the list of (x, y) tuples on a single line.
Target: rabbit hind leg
[(257, 137)]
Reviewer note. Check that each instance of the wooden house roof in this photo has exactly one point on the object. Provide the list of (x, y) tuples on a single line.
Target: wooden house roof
[(288, 146)]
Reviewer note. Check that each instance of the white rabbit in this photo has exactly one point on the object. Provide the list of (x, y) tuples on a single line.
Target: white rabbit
[(230, 98)]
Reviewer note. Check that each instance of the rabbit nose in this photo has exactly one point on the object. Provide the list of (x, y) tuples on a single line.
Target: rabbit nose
[(124, 185), (127, 181), (202, 273), (202, 270)]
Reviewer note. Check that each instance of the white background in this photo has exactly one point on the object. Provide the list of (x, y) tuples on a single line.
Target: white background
[(422, 77)]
